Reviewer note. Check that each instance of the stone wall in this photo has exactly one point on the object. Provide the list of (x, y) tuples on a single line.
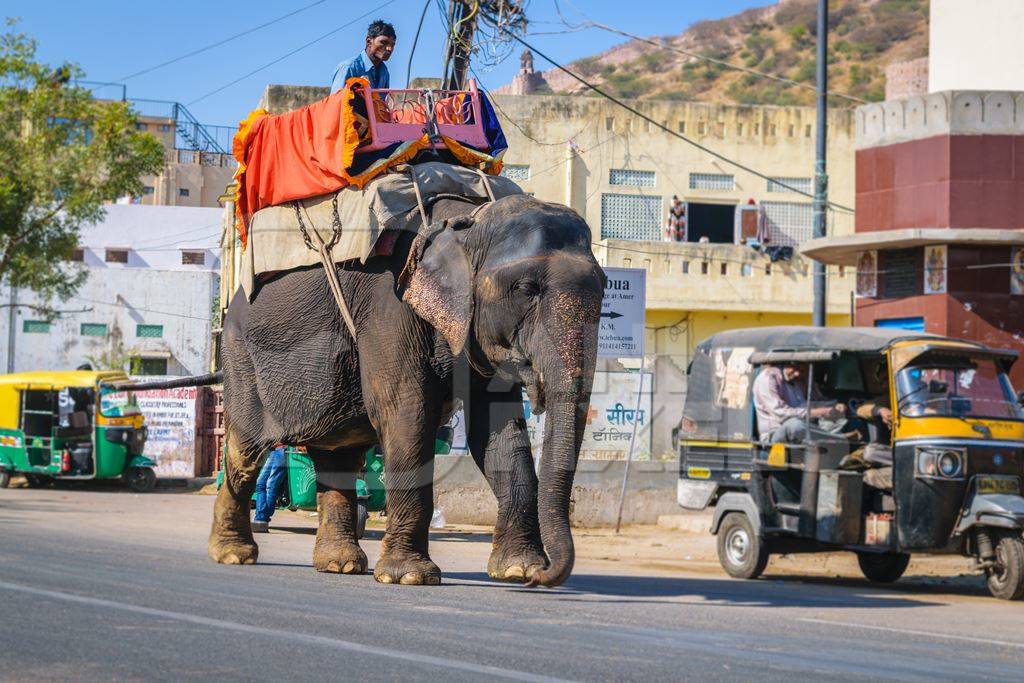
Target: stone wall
[(905, 79)]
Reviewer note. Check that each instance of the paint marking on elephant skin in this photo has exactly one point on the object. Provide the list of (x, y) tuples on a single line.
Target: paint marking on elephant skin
[(278, 635)]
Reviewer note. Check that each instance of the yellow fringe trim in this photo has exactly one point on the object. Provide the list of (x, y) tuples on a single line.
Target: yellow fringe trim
[(239, 145)]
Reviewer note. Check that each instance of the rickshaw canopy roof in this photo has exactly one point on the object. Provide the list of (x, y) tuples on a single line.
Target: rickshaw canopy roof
[(812, 339), (58, 379)]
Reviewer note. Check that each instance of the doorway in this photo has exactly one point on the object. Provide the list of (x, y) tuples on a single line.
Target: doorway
[(714, 221)]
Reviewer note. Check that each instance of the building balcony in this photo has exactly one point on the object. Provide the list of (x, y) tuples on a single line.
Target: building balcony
[(724, 277)]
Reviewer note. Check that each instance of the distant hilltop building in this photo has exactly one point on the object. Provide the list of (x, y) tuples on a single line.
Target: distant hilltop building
[(527, 81)]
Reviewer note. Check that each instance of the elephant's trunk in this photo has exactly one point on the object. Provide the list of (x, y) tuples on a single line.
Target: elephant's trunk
[(566, 385), (562, 436)]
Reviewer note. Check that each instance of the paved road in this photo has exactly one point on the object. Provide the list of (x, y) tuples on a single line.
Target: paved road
[(102, 585)]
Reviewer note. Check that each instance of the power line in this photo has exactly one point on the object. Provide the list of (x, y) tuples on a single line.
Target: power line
[(115, 304), (703, 148), (220, 42), (289, 54), (419, 27)]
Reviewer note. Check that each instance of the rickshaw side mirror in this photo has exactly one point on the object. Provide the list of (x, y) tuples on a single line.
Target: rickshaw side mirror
[(1020, 397)]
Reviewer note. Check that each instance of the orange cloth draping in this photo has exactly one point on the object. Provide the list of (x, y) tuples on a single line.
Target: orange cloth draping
[(296, 155)]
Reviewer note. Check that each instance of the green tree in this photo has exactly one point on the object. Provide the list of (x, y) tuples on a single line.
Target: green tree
[(62, 155)]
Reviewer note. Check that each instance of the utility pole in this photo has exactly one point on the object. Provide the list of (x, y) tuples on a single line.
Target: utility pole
[(462, 15), (820, 173), (12, 329)]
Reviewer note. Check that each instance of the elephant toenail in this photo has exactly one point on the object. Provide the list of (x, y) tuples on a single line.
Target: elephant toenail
[(411, 579), (349, 568), (515, 573), (432, 581), (385, 578)]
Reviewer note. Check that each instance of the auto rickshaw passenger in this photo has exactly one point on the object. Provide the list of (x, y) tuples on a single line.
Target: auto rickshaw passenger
[(780, 400)]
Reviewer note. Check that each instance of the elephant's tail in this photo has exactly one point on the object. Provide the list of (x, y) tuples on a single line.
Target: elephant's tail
[(176, 383)]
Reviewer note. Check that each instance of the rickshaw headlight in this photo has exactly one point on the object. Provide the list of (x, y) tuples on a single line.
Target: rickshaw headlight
[(950, 464), (945, 464)]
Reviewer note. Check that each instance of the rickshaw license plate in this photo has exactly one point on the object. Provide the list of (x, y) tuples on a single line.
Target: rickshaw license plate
[(998, 485)]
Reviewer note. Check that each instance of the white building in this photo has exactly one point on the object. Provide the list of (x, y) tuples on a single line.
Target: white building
[(146, 306)]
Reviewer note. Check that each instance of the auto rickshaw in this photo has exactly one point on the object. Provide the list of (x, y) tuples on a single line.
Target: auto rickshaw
[(72, 425), (944, 476)]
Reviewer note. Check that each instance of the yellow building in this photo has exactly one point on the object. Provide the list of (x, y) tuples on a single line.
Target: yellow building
[(620, 172), (190, 177)]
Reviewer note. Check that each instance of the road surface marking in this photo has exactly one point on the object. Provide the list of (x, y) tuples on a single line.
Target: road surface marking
[(277, 634), (930, 634)]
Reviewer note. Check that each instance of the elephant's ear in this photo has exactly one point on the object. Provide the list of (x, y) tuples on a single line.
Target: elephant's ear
[(438, 283)]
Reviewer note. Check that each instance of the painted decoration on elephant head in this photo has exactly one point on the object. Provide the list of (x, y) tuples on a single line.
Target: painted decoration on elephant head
[(867, 274), (1017, 270), (611, 418), (935, 269)]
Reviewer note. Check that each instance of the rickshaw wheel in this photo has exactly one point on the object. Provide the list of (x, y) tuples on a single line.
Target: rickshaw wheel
[(1006, 580), (5, 479), (741, 552), (140, 479), (883, 567)]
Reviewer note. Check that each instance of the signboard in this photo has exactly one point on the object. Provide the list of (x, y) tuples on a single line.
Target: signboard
[(623, 308), (613, 413), (171, 422)]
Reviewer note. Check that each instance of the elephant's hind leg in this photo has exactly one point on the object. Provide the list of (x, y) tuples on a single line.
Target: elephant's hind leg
[(231, 540), (337, 547)]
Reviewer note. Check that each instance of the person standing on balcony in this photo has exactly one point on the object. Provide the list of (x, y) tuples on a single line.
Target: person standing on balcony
[(675, 226), (380, 43)]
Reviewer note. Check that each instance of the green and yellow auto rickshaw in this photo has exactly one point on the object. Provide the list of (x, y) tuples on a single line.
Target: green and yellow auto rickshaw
[(935, 466), (72, 425)]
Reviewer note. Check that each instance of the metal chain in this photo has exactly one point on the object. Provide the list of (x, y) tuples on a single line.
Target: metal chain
[(335, 226)]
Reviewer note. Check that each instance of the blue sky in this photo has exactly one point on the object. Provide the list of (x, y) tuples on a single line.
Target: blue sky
[(111, 40)]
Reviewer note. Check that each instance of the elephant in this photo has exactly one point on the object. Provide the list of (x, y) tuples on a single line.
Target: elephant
[(488, 301)]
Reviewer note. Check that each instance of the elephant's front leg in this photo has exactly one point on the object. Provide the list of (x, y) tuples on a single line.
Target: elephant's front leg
[(231, 540), (337, 547), (408, 443), (500, 444)]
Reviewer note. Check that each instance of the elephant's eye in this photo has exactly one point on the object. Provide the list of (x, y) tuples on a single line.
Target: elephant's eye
[(527, 288)]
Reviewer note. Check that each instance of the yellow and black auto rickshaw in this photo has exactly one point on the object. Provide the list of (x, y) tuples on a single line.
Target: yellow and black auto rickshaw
[(72, 425), (941, 474)]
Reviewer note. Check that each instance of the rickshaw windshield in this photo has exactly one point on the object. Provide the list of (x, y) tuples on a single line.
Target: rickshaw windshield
[(114, 403), (956, 387)]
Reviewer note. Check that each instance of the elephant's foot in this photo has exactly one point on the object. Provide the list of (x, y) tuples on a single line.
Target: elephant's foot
[(339, 558), (232, 549), (515, 566), (408, 569)]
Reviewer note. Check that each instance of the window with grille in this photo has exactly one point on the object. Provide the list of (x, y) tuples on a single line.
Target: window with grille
[(116, 256), (77, 255), (778, 183), (193, 258), (141, 126), (148, 189), (149, 366), (712, 181), (631, 217), (789, 223), (93, 330), (35, 327), (629, 176), (164, 127), (149, 331), (516, 171), (183, 192)]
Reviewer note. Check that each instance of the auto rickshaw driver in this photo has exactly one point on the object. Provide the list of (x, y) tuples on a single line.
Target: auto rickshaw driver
[(780, 400)]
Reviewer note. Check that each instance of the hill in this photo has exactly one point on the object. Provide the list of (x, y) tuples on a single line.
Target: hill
[(865, 37)]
